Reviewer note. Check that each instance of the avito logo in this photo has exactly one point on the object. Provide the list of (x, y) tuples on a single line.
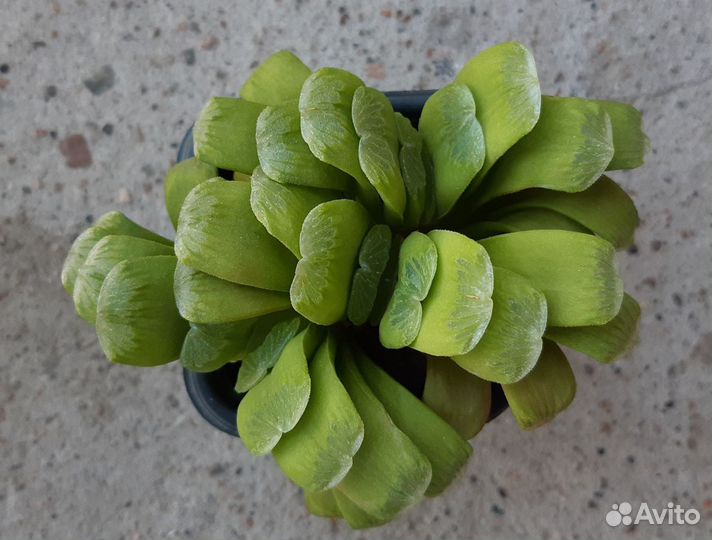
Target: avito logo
[(622, 514)]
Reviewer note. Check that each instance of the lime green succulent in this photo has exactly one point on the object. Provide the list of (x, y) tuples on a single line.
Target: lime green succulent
[(480, 241)]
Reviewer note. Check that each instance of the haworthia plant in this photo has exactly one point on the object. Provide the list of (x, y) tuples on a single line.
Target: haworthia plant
[(546, 391), (114, 223), (284, 155), (630, 143), (329, 242), (389, 472), (136, 316), (202, 298), (527, 219), (354, 514), (373, 257), (387, 283), (181, 179), (417, 263), (325, 106), (505, 85), (459, 305), (276, 80), (224, 134), (378, 149), (264, 356), (413, 170), (430, 209), (454, 139), (322, 503), (208, 347), (568, 150), (604, 209), (275, 405), (319, 451), (370, 281), (605, 342), (445, 449), (461, 399), (511, 344), (107, 253), (283, 208), (575, 271), (217, 228)]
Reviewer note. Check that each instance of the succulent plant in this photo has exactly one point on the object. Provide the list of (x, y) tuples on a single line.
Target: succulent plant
[(314, 220)]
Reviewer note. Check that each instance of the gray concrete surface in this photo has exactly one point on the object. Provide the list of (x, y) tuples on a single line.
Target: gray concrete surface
[(94, 97)]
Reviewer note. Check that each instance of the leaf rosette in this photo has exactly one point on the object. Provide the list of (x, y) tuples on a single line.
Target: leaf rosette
[(329, 247)]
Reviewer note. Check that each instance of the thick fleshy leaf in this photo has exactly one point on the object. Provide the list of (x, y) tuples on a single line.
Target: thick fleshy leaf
[(528, 219), (329, 242), (389, 473), (224, 134), (372, 260), (532, 219), (107, 253), (630, 142), (285, 157), (264, 356), (202, 298), (181, 179), (485, 229), (282, 208), (401, 320), (387, 284), (510, 346), (459, 304), (460, 398), (319, 451), (575, 271), (325, 113), (110, 223), (454, 139), (431, 202), (322, 503), (264, 326), (417, 263), (546, 391), (445, 449), (606, 342), (208, 347), (136, 318), (275, 405), (354, 514), (568, 150), (277, 79), (219, 235), (378, 151), (505, 85), (412, 169), (604, 208)]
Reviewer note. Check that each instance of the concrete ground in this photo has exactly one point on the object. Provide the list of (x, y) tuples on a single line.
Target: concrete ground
[(95, 96)]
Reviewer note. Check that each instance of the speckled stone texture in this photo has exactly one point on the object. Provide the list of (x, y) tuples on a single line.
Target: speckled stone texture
[(95, 96)]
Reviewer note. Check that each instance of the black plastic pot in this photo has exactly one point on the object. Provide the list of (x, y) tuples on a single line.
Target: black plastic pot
[(213, 394)]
